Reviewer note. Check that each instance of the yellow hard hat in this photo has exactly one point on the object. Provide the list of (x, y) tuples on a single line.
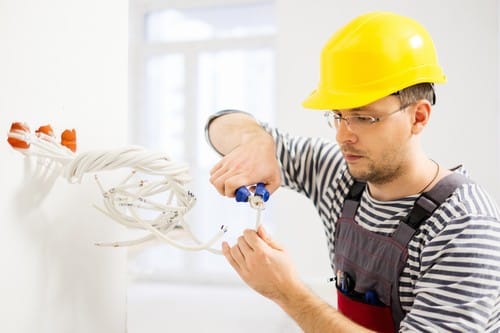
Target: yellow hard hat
[(371, 57)]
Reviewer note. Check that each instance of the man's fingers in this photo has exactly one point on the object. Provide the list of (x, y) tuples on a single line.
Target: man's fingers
[(226, 251), (264, 237), (218, 176), (228, 183), (219, 185), (236, 257), (256, 242), (218, 170), (245, 247)]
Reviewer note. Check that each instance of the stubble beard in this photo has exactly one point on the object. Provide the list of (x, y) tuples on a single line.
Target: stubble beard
[(378, 174)]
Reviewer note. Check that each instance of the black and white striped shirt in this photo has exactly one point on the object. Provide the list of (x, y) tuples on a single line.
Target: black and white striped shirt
[(451, 281)]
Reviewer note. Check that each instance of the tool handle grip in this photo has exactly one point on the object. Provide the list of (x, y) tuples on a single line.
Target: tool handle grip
[(262, 192), (242, 193)]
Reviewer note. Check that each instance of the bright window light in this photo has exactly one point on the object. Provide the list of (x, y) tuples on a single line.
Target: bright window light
[(172, 25), (191, 63)]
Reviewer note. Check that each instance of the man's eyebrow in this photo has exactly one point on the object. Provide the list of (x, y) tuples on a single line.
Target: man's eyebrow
[(354, 110), (361, 109)]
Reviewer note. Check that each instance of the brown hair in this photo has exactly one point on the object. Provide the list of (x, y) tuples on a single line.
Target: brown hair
[(416, 92)]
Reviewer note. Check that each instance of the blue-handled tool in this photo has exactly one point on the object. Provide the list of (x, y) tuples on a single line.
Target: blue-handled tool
[(256, 200), (243, 193)]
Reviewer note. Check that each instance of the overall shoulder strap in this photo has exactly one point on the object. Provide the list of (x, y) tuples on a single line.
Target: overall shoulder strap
[(351, 202), (428, 201), (423, 208)]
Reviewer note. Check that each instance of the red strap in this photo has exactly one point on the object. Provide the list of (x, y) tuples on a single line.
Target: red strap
[(374, 317)]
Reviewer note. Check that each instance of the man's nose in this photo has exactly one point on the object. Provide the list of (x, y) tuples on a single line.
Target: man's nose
[(344, 132)]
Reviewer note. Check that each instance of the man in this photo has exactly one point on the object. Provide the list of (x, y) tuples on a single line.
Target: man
[(415, 247)]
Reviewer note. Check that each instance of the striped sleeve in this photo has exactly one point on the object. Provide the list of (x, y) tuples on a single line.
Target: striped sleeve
[(458, 289), (309, 166), (316, 169)]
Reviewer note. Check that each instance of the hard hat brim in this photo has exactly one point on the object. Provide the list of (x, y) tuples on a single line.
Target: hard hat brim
[(323, 99)]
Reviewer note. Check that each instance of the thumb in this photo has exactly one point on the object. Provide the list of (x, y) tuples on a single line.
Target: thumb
[(267, 239)]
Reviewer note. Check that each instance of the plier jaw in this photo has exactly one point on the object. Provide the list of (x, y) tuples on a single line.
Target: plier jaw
[(257, 199), (256, 202)]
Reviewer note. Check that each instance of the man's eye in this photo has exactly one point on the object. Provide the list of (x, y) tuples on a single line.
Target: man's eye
[(362, 119)]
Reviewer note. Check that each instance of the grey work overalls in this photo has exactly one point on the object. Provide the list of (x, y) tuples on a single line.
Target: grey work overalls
[(368, 265)]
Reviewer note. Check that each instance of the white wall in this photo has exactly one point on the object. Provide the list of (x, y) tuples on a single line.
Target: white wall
[(463, 127), (63, 62)]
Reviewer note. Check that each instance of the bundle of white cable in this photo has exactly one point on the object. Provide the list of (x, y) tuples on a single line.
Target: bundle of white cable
[(134, 202)]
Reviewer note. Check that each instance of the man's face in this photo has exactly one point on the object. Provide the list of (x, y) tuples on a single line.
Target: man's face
[(375, 151)]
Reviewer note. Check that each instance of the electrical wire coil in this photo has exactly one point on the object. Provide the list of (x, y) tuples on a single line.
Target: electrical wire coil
[(153, 197)]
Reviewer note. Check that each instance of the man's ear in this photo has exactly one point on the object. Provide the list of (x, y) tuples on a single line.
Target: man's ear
[(421, 115)]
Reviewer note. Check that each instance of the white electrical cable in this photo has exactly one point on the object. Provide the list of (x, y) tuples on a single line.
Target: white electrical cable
[(134, 202), (256, 202)]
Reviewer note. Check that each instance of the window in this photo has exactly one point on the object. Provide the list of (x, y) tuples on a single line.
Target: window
[(186, 63)]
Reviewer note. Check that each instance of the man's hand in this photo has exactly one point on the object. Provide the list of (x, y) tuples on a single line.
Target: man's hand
[(263, 264), (249, 154)]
